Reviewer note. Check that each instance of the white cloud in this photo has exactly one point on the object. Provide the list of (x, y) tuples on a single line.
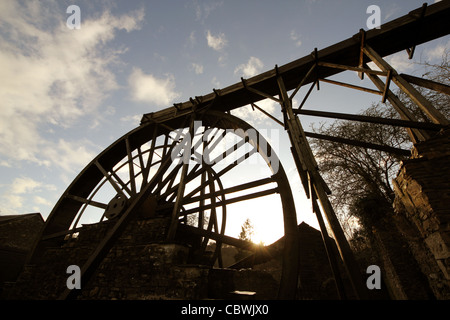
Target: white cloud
[(51, 74), (198, 68), (400, 62), (202, 11), (296, 38), (134, 119), (42, 201), (437, 52), (24, 185), (250, 69), (71, 156), (216, 42), (14, 198), (148, 88)]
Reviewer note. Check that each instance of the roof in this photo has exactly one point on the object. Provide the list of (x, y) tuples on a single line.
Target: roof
[(6, 218)]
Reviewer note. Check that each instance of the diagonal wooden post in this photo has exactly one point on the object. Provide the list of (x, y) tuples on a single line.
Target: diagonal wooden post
[(405, 86), (304, 154)]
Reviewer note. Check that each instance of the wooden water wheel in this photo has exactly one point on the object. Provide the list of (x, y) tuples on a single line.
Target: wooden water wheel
[(191, 168)]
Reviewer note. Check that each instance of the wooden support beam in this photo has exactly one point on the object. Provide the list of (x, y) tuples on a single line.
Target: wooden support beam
[(305, 156), (350, 68), (414, 134), (313, 67), (358, 143), (370, 119), (316, 59), (404, 85), (386, 86), (429, 84), (267, 114), (258, 92), (328, 245), (418, 30), (362, 42), (351, 86), (307, 95)]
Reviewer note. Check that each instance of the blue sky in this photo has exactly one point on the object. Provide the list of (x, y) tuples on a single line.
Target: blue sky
[(65, 95)]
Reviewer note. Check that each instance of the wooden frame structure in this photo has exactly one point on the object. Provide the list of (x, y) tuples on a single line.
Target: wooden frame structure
[(417, 27), (281, 84)]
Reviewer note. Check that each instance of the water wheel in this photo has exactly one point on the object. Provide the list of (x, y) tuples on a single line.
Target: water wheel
[(190, 168)]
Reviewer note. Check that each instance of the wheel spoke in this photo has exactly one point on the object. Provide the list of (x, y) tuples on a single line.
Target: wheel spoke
[(131, 166), (236, 199), (110, 180), (88, 201), (146, 169)]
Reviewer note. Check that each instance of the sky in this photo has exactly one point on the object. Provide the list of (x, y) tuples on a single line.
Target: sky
[(67, 93)]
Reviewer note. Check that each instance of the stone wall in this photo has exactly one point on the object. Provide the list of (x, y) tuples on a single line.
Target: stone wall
[(17, 234), (141, 265), (423, 198)]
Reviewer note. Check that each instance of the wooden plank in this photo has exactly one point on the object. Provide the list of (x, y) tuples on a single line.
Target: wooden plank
[(306, 96), (303, 81), (414, 134), (370, 119), (350, 68), (304, 153), (328, 245), (404, 85), (429, 84), (362, 42), (268, 114), (351, 86), (362, 144)]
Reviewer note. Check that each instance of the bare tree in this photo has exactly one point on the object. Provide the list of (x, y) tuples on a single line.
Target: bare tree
[(360, 178)]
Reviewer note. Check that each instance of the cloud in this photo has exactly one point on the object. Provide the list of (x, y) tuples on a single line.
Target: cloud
[(216, 42), (42, 201), (148, 88), (51, 75), (202, 11), (437, 52), (24, 185), (249, 69), (70, 156), (296, 38), (14, 197), (198, 68), (400, 62)]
